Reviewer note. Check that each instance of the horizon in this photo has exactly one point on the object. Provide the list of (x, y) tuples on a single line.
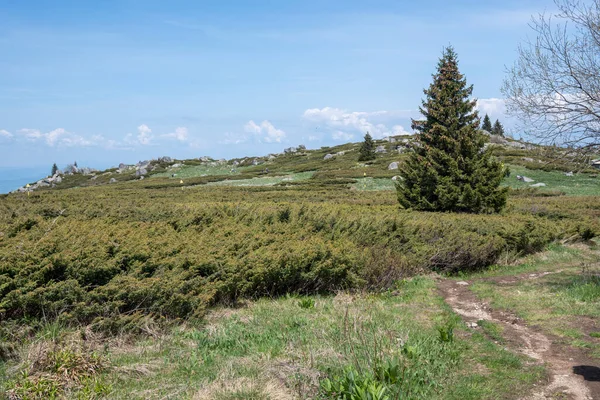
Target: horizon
[(126, 80)]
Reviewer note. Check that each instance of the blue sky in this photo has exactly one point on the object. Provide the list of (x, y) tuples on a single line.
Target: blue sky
[(124, 80)]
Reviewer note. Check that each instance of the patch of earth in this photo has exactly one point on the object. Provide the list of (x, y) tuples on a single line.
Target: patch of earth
[(573, 375)]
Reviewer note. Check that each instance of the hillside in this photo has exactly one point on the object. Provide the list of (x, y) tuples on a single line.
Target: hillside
[(291, 275)]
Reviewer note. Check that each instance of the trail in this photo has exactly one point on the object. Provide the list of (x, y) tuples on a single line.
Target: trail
[(572, 375)]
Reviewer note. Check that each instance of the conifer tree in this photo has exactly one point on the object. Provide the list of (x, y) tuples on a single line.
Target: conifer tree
[(498, 129), (448, 168), (487, 124), (54, 169), (367, 149)]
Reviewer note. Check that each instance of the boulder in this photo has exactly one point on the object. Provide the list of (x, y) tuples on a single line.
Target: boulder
[(393, 165), (380, 149), (569, 173), (538, 185), (205, 159), (141, 177), (487, 133), (176, 165), (235, 163), (112, 180), (340, 153), (328, 157), (141, 172), (527, 159), (58, 179), (122, 166), (395, 178), (524, 179), (165, 159), (256, 161), (93, 178)]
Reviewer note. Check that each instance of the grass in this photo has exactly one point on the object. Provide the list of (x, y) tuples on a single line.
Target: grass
[(265, 181), (276, 349), (578, 185), (558, 290), (194, 171)]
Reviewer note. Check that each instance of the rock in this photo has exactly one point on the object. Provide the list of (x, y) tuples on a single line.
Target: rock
[(462, 283), (393, 165), (472, 325), (290, 150), (141, 172), (165, 159), (122, 166), (380, 149), (487, 133), (272, 157), (538, 185), (93, 178), (256, 161), (141, 177), (524, 179), (58, 179), (569, 173), (528, 159), (395, 178), (392, 139), (112, 180), (340, 153), (328, 157), (235, 163), (205, 159), (176, 165)]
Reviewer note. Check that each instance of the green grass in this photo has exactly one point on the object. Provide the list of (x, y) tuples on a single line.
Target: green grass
[(577, 185), (194, 171), (553, 301), (275, 349), (374, 184), (265, 181)]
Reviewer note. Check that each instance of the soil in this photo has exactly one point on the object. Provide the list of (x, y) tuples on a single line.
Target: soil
[(572, 374)]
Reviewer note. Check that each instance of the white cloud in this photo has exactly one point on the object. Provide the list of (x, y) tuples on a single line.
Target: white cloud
[(339, 135), (59, 137), (144, 136), (493, 107), (230, 138), (181, 134), (343, 122), (5, 134), (31, 134), (265, 131)]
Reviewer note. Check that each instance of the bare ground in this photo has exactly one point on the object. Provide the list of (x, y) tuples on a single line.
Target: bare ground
[(572, 374)]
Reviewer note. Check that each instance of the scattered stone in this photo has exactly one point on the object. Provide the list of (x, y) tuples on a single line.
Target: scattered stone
[(472, 325), (93, 178), (393, 165), (380, 149), (538, 185), (328, 157), (165, 159), (176, 165), (141, 172), (141, 177), (569, 173), (524, 179), (462, 283), (340, 153), (528, 159), (112, 180), (395, 178)]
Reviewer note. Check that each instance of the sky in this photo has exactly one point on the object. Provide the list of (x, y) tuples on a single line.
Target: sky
[(126, 80)]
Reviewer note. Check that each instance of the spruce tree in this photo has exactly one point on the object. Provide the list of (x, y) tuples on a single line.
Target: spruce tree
[(487, 124), (448, 168), (54, 169), (367, 149), (498, 129)]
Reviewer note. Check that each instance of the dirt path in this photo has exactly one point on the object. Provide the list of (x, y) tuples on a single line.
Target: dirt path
[(572, 375)]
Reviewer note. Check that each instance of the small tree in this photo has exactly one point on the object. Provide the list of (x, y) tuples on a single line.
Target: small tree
[(54, 169), (487, 124), (75, 164), (498, 129), (367, 149), (448, 168)]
